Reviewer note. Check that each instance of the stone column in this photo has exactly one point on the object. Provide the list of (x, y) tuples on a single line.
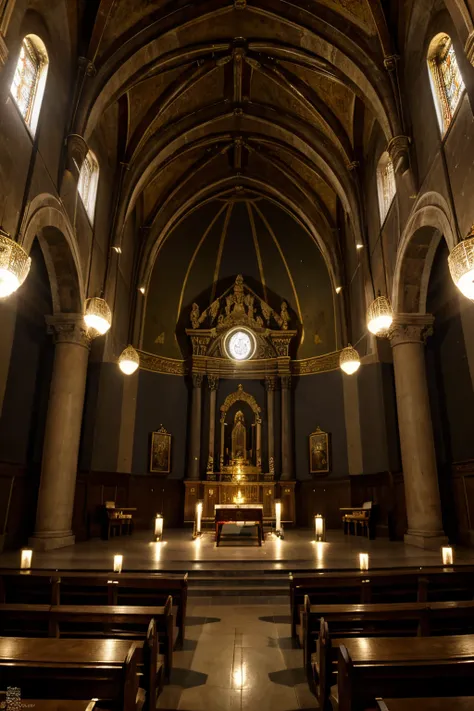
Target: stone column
[(270, 385), (212, 381), (258, 447), (286, 448), (62, 433), (195, 439), (407, 337)]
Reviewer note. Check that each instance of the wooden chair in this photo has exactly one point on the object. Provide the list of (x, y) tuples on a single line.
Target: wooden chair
[(360, 516)]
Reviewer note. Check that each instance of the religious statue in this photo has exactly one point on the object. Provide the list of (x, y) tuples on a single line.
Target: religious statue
[(239, 438), (195, 316), (284, 316)]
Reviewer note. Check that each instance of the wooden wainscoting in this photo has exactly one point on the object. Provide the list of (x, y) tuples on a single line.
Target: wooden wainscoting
[(18, 498), (462, 477), (386, 490)]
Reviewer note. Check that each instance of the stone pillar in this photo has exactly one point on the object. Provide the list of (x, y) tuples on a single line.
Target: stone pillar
[(407, 337), (258, 458), (270, 385), (286, 448), (62, 433), (195, 439), (213, 382)]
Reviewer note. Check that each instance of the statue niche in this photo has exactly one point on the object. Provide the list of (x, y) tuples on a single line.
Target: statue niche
[(239, 440)]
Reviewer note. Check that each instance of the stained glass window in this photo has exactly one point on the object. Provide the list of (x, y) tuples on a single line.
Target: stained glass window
[(447, 82), (88, 181), (29, 79), (386, 185)]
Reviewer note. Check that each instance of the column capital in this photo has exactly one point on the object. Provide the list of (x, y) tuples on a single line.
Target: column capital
[(69, 328), (285, 382), (76, 151), (399, 152), (469, 47), (410, 328), (197, 379), (270, 384), (213, 382)]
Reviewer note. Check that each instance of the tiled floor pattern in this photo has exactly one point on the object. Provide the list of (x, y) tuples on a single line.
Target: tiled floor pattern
[(237, 658)]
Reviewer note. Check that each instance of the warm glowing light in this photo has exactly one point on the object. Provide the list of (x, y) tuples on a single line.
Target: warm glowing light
[(277, 516), (129, 360), (14, 265), (338, 289), (159, 527), (199, 506), (359, 246), (379, 316), (26, 557), (447, 554), (118, 562), (349, 360), (461, 265), (117, 249), (319, 551), (141, 289), (98, 315), (319, 527), (364, 561), (239, 499)]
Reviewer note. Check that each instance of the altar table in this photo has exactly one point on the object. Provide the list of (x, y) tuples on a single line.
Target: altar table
[(239, 513)]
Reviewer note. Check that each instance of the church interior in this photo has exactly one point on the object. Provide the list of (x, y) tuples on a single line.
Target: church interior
[(237, 355)]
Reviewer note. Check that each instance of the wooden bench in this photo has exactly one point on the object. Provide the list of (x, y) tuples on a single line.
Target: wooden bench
[(394, 620), (370, 668), (458, 703), (112, 622), (403, 585), (54, 704), (97, 588), (64, 669)]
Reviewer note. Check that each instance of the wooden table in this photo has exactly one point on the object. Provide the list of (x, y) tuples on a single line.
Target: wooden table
[(239, 513), (457, 703)]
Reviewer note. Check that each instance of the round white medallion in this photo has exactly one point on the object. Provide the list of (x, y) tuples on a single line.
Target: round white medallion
[(240, 344)]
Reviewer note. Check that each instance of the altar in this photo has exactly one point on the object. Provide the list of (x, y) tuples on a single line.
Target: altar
[(240, 514)]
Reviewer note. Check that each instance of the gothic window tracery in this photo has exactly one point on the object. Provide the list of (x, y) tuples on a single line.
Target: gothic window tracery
[(446, 81), (88, 182), (29, 80), (386, 186)]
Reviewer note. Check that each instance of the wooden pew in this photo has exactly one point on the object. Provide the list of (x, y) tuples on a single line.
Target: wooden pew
[(457, 703), (369, 668), (112, 622), (97, 588), (64, 669), (403, 585), (54, 704)]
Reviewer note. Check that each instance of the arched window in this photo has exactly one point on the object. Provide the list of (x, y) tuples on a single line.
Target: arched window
[(88, 182), (386, 186), (29, 80), (446, 80)]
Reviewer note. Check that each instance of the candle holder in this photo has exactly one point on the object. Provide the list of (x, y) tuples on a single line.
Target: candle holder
[(278, 524), (447, 555), (159, 527), (319, 528), (197, 530), (118, 562), (26, 557), (364, 561)]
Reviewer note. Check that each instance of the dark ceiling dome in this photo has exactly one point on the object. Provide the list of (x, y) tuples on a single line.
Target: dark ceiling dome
[(243, 234)]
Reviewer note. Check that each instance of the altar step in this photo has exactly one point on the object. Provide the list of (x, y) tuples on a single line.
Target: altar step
[(240, 586)]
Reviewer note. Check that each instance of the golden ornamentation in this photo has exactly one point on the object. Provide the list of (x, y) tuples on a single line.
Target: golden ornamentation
[(240, 394), (379, 316), (159, 364), (461, 265), (318, 364), (98, 316), (14, 265)]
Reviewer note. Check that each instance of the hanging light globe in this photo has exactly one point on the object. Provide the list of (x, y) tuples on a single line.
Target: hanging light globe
[(129, 360), (349, 360), (379, 316), (97, 315), (14, 265), (461, 265)]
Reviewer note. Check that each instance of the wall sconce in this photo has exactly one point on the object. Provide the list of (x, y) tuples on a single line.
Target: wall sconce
[(278, 526), (118, 562), (26, 556), (158, 527), (319, 528), (198, 520), (364, 561), (447, 555)]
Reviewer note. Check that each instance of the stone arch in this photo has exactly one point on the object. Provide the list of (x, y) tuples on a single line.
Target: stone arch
[(239, 395), (431, 221), (46, 221)]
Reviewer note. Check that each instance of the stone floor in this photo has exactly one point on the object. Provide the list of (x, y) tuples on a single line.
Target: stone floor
[(179, 552), (237, 658)]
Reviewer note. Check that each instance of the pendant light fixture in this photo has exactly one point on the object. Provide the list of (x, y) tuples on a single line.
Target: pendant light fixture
[(461, 265), (14, 265), (349, 360), (97, 315), (379, 316), (129, 360)]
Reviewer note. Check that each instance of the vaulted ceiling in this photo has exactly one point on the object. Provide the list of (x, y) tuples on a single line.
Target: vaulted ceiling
[(276, 97)]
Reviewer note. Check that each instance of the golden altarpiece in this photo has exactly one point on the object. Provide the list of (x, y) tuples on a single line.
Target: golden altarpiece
[(240, 337)]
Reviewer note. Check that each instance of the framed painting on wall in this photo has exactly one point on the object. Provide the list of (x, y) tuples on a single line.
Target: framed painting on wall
[(319, 452), (160, 455)]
